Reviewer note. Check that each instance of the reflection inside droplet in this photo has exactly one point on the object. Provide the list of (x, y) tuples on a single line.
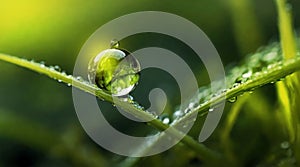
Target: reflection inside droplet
[(114, 70)]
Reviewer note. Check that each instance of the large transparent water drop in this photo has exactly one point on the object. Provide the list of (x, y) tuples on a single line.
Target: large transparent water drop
[(115, 71)]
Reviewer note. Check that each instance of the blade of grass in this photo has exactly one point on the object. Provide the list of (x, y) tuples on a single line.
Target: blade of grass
[(272, 74), (288, 46), (288, 90), (287, 36), (207, 154)]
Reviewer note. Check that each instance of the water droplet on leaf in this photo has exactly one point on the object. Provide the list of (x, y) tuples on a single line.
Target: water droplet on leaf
[(247, 75), (232, 100), (177, 114), (187, 110), (235, 85), (114, 43), (285, 145), (79, 78), (115, 71), (57, 68), (165, 120)]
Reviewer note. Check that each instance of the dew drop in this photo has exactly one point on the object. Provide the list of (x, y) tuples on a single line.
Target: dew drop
[(192, 105), (165, 120), (51, 68), (114, 43), (177, 114), (187, 110), (224, 91), (57, 68), (125, 99), (115, 71), (247, 75), (239, 80), (63, 73), (211, 110), (271, 66), (153, 113), (79, 78), (214, 95), (233, 99), (235, 85), (270, 56), (285, 145), (138, 106)]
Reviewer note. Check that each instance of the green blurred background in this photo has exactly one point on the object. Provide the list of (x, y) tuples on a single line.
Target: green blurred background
[(38, 123)]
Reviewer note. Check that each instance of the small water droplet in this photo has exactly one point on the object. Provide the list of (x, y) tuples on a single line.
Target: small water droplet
[(166, 120), (271, 66), (235, 85), (187, 110), (177, 114), (125, 99), (192, 105), (214, 95), (57, 68), (233, 99), (223, 90), (69, 84), (153, 113), (51, 68), (247, 75), (114, 43), (285, 145), (59, 80), (79, 78), (138, 106), (270, 56), (130, 97), (211, 110)]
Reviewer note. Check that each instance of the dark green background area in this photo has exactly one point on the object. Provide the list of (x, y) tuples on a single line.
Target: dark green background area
[(32, 105)]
